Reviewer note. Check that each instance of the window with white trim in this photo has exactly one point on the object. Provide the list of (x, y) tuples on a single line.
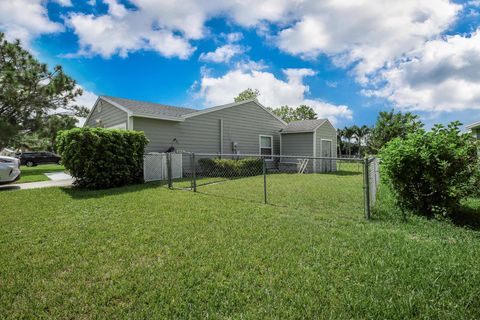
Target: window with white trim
[(266, 146)]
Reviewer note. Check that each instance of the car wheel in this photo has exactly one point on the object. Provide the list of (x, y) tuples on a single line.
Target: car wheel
[(30, 164)]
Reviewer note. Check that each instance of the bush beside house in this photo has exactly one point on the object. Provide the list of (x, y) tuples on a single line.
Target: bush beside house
[(231, 167), (102, 158), (429, 173)]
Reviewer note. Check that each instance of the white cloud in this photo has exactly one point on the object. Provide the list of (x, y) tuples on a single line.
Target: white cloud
[(107, 35), (369, 33), (64, 3), (234, 37), (25, 19), (274, 92), (380, 39), (249, 65), (442, 75), (222, 54), (116, 9)]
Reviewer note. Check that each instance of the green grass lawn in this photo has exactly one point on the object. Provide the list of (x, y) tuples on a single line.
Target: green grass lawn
[(34, 174), (149, 252)]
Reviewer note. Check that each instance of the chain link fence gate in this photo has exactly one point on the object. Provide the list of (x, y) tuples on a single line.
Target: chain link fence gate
[(328, 184), (162, 166)]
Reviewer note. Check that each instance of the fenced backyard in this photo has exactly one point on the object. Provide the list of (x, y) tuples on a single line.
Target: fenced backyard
[(344, 185)]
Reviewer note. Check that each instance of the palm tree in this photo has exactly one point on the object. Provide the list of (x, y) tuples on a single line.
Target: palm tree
[(361, 133), (348, 133), (340, 136)]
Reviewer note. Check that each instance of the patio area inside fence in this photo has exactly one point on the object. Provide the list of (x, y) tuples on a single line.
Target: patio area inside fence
[(337, 185)]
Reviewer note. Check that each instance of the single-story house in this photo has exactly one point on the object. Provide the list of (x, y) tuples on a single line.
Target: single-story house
[(245, 127), (474, 128)]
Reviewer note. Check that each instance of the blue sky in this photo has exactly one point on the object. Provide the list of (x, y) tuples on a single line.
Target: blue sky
[(347, 59)]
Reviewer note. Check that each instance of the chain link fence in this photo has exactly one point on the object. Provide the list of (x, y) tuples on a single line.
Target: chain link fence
[(371, 182), (339, 185)]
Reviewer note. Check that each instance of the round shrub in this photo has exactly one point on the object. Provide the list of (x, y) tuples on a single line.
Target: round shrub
[(430, 172), (102, 158)]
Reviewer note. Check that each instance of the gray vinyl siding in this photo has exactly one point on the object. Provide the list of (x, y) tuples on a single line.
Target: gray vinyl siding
[(297, 144), (242, 124), (109, 116)]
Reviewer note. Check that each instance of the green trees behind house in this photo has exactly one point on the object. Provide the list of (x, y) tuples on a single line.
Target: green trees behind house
[(391, 125)]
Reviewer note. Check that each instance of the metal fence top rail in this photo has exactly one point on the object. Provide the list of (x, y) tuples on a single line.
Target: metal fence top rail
[(271, 156)]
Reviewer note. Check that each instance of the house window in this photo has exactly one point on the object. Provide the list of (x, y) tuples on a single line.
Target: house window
[(266, 146)]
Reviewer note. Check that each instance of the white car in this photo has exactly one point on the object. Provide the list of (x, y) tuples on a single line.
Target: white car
[(9, 169)]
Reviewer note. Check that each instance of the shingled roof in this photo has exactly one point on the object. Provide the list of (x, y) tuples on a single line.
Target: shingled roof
[(142, 108), (303, 126)]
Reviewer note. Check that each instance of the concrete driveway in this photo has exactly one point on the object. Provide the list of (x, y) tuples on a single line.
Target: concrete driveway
[(36, 185), (57, 179)]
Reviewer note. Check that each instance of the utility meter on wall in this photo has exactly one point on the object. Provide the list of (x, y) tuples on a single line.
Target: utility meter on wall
[(235, 148)]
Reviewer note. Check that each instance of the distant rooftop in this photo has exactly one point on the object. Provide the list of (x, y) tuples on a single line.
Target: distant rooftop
[(303, 126), (474, 125)]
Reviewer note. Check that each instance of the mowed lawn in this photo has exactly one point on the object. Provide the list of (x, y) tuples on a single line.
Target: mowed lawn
[(149, 252), (37, 173)]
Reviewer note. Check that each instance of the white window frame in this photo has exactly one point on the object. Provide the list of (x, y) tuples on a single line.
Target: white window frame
[(121, 126), (260, 146)]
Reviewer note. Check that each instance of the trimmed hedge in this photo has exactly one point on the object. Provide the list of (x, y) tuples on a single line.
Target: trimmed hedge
[(102, 158), (230, 167)]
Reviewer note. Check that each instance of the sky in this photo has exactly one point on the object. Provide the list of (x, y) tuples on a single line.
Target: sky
[(346, 59)]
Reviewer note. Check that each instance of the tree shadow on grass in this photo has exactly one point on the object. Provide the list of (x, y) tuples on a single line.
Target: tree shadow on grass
[(467, 217), (345, 173), (78, 194)]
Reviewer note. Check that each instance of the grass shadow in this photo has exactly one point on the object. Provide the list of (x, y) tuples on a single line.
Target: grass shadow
[(467, 217), (344, 173), (79, 194), (9, 187)]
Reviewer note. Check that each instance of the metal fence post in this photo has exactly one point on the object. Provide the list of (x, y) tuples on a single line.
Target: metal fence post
[(366, 177), (169, 170), (264, 180), (194, 173)]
